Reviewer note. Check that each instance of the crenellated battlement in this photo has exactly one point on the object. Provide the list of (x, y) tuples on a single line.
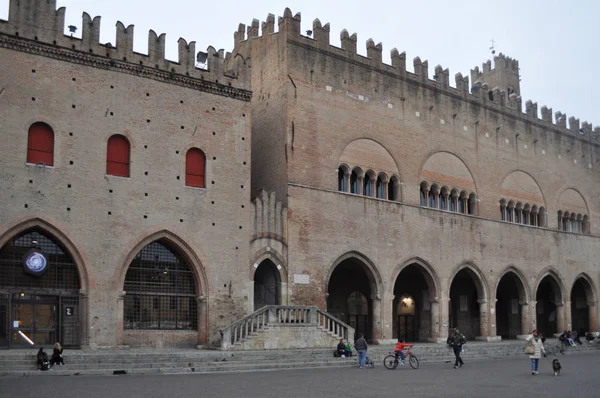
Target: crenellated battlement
[(494, 85), (41, 24)]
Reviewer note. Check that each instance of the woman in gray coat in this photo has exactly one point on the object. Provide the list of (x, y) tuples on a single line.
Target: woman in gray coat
[(538, 350)]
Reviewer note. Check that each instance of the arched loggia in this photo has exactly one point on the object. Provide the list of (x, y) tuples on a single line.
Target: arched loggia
[(352, 294), (415, 311), (468, 302), (511, 306), (549, 305), (583, 305)]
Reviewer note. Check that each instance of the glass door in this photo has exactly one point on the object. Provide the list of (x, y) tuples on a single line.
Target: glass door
[(33, 323)]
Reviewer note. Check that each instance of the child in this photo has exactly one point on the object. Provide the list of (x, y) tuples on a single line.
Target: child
[(398, 349)]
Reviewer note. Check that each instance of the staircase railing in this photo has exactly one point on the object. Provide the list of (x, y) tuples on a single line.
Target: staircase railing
[(289, 315)]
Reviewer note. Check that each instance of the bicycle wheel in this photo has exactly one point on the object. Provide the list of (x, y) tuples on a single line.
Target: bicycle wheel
[(390, 362), (414, 362)]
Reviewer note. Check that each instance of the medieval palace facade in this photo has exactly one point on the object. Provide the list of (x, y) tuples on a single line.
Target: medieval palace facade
[(151, 202)]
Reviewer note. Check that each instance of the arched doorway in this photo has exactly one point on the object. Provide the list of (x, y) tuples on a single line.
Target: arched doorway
[(510, 298), (582, 295), (267, 285), (466, 291), (548, 306), (413, 315), (161, 293), (349, 295), (39, 292)]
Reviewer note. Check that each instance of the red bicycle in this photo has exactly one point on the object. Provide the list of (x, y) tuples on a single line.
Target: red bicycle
[(392, 361)]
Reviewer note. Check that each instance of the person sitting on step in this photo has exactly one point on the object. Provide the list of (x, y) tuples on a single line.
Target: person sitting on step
[(42, 359), (342, 351), (57, 355), (398, 350)]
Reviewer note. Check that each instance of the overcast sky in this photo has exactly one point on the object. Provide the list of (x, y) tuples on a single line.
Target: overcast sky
[(556, 42)]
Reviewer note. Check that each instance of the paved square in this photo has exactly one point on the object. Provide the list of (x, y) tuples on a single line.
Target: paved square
[(497, 378)]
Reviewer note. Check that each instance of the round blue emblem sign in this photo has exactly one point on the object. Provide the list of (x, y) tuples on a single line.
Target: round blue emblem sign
[(35, 262)]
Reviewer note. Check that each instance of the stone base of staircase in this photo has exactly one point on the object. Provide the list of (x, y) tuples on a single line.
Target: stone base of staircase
[(156, 361)]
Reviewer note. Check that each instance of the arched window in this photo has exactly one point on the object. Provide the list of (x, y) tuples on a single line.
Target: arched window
[(453, 200), (194, 168), (444, 199), (472, 204), (368, 184), (380, 188), (433, 193), (40, 144), (354, 182), (533, 218), (462, 205), (342, 183), (160, 291), (510, 211), (423, 193), (393, 189), (518, 213), (503, 209), (117, 156)]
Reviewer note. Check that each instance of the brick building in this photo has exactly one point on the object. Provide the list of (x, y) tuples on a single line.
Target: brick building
[(400, 204)]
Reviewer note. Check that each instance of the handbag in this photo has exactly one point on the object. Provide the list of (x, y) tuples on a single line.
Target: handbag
[(529, 349)]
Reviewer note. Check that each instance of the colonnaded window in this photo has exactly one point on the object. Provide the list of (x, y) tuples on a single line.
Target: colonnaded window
[(160, 290), (522, 213), (573, 222), (117, 156), (448, 199), (370, 183), (40, 144)]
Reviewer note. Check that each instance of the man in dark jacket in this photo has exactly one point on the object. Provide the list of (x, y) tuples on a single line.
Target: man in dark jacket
[(457, 340), (361, 347)]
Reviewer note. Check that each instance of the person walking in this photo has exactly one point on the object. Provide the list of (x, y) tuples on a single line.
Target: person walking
[(536, 349), (361, 347), (457, 340)]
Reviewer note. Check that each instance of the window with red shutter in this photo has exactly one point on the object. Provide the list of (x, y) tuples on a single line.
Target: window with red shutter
[(40, 144), (194, 168), (117, 156)]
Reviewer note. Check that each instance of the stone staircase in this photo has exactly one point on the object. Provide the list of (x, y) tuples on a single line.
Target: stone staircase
[(155, 361), (283, 327)]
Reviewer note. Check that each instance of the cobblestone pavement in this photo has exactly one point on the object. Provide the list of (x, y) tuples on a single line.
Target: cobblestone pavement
[(494, 378)]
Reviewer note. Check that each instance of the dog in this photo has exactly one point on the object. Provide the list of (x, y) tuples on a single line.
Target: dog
[(556, 366)]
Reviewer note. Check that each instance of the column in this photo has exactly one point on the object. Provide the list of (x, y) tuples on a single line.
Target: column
[(493, 334), (385, 183), (561, 319), (361, 187), (120, 305), (376, 332), (202, 319), (484, 320), (387, 321), (593, 316), (83, 318), (347, 179), (444, 310), (526, 326), (435, 320)]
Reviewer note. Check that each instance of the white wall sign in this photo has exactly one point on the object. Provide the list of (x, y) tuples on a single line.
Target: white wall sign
[(301, 279)]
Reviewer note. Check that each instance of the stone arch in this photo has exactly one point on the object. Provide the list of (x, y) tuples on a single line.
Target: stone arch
[(555, 275), (199, 272), (374, 276), (353, 276), (571, 199), (276, 258), (369, 154), (583, 297), (512, 297), (59, 235), (446, 168), (549, 292), (525, 294), (433, 281), (415, 287), (478, 278), (519, 185), (78, 300), (468, 300)]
